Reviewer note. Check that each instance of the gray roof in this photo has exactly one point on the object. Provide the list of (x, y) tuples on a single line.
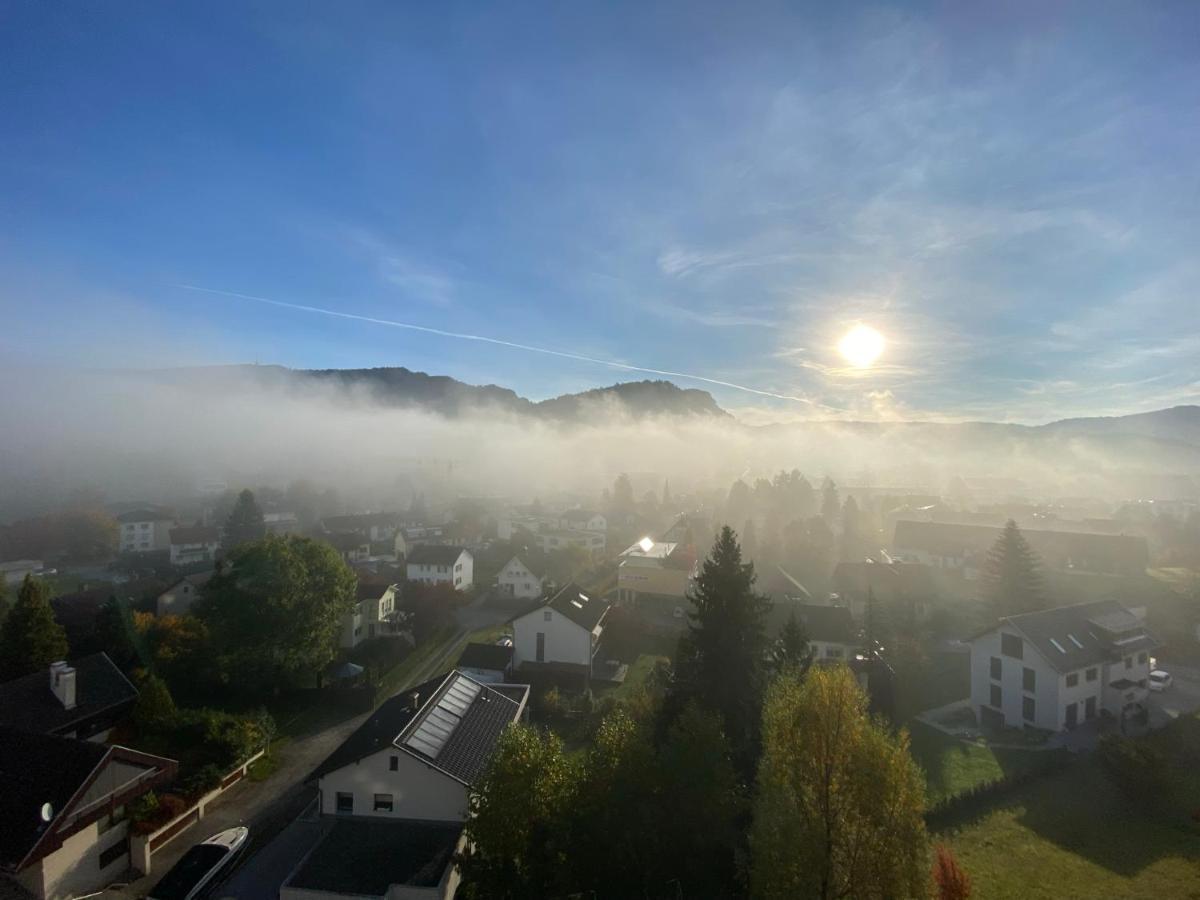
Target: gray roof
[(145, 515), (580, 607), (534, 562), (494, 657), (433, 555), (1086, 634), (27, 703), (832, 624), (473, 728), (363, 857)]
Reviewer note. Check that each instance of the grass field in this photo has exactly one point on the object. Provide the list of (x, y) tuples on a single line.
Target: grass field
[(1073, 835), (952, 766), (635, 678)]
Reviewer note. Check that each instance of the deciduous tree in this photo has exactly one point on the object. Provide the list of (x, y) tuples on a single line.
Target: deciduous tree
[(950, 879), (839, 801)]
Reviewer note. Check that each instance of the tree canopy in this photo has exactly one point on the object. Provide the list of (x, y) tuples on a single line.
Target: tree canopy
[(30, 637), (1011, 581), (245, 522), (274, 609), (839, 805)]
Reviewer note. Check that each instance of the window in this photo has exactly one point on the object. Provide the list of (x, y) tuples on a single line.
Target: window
[(997, 668), (383, 803), (995, 698), (1090, 674), (394, 763), (1011, 645), (1028, 680), (1073, 679), (1027, 709), (547, 615), (1129, 662), (833, 652), (1142, 658), (345, 803), (114, 853)]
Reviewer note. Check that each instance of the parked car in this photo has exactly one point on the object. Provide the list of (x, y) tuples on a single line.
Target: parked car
[(198, 869), (1160, 680)]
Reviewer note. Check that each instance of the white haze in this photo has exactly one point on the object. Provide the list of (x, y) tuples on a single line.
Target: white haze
[(135, 438)]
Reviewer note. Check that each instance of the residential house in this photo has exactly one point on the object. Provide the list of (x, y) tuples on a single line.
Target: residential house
[(1059, 667), (63, 810), (145, 530), (563, 633), (194, 544), (487, 663), (407, 538), (352, 547), (654, 569), (831, 633), (396, 792), (594, 542), (375, 527), (281, 523), (440, 564), (82, 699), (582, 520), (953, 545), (893, 583), (523, 576), (179, 598), (374, 615)]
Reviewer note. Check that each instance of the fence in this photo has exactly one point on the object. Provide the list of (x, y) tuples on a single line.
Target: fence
[(983, 796), (143, 846)]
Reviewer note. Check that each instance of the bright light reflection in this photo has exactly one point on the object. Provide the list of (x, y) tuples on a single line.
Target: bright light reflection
[(861, 346)]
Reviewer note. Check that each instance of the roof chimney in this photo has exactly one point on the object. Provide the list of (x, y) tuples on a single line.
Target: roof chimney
[(414, 701), (62, 682)]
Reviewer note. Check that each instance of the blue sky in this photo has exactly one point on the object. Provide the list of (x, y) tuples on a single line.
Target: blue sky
[(1010, 194)]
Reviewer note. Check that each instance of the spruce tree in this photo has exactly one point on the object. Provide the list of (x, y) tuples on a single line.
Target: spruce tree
[(245, 523), (1011, 581), (791, 651), (722, 654), (30, 638)]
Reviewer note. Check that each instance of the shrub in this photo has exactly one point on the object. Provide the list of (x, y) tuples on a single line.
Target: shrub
[(201, 781), (154, 712), (1134, 766), (951, 880)]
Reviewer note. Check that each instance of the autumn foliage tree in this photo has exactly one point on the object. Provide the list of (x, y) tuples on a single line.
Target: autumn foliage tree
[(950, 879)]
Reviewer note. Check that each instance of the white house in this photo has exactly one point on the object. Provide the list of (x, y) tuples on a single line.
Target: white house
[(374, 615), (831, 633), (178, 599), (440, 564), (565, 631), (522, 577), (1059, 667), (652, 568), (145, 530), (594, 542), (64, 830), (582, 520), (381, 526), (194, 544)]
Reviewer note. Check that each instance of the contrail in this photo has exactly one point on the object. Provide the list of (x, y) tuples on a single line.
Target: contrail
[(498, 342)]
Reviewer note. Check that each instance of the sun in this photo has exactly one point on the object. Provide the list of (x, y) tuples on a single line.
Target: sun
[(861, 346)]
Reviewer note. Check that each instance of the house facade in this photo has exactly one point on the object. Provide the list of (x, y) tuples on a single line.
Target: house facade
[(1058, 668), (440, 564), (564, 632), (522, 577), (179, 598), (582, 520), (654, 569), (144, 531), (374, 615), (64, 830), (194, 544), (832, 636)]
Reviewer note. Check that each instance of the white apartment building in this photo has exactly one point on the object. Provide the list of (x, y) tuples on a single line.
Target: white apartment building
[(144, 531), (440, 564)]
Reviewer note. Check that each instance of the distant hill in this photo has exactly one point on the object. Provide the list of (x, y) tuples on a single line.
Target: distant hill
[(1179, 423), (405, 389)]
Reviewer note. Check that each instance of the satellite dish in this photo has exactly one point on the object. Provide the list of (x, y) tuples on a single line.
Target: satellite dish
[(47, 812)]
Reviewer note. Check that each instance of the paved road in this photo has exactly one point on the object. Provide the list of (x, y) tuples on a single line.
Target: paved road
[(279, 835)]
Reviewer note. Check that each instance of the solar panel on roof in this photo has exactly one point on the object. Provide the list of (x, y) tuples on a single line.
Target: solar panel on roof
[(439, 723), (1074, 640)]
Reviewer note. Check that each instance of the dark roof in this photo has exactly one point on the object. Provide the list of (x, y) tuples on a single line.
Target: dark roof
[(1103, 631), (343, 540), (380, 729), (196, 580), (145, 515), (580, 607), (364, 856), (372, 590), (195, 534), (28, 704), (517, 693), (533, 561), (37, 769), (361, 521), (1057, 549), (486, 656), (433, 555), (826, 623), (884, 579), (467, 750)]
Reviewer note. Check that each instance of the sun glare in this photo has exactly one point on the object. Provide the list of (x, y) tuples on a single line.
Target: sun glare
[(861, 346)]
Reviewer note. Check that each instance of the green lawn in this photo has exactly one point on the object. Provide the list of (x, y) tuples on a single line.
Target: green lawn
[(400, 676), (1073, 835), (952, 766), (635, 678)]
